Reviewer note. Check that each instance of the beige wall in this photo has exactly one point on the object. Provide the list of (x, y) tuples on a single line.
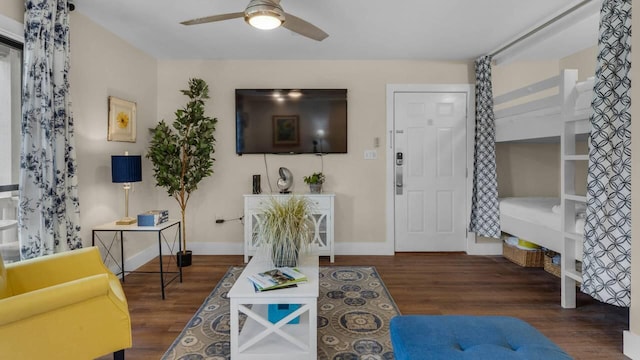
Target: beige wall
[(359, 184), (526, 169), (584, 61), (103, 65), (13, 9), (514, 75), (520, 173)]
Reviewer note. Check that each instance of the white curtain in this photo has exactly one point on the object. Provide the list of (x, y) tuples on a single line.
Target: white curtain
[(606, 269), (485, 213), (49, 207)]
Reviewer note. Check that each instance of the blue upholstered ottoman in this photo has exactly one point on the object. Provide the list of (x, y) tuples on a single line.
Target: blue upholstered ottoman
[(469, 337)]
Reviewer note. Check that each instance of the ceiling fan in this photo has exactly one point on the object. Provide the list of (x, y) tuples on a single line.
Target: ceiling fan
[(267, 15)]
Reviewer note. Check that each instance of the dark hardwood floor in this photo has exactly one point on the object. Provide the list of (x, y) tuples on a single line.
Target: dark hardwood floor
[(420, 283)]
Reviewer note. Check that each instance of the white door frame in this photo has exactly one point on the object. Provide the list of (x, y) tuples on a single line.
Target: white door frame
[(390, 184)]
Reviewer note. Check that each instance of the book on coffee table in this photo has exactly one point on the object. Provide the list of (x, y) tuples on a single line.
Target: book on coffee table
[(277, 278)]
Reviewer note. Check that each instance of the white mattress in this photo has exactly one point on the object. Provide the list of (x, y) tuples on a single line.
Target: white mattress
[(542, 211)]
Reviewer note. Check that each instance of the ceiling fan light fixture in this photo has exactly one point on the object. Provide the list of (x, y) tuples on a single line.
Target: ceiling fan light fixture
[(264, 14), (264, 21)]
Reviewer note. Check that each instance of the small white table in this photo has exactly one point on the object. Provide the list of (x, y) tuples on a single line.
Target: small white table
[(107, 246), (263, 340)]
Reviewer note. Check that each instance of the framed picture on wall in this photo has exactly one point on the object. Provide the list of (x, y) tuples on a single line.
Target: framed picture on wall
[(122, 120), (286, 130)]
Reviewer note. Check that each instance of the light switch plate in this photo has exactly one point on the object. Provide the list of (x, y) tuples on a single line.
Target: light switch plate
[(370, 154)]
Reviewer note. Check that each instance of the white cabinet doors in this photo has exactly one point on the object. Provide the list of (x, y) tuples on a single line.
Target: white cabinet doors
[(322, 218)]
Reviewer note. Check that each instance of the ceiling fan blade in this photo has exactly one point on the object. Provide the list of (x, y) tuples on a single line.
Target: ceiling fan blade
[(213, 18), (303, 28)]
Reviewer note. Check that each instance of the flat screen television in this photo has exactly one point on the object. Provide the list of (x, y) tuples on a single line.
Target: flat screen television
[(291, 121)]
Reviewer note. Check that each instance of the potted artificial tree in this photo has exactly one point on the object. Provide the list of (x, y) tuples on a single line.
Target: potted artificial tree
[(286, 229), (182, 155), (315, 182)]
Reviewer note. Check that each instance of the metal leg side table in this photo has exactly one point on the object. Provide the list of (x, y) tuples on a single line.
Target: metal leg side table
[(109, 246)]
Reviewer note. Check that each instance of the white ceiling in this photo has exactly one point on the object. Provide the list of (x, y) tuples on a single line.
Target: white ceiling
[(358, 29)]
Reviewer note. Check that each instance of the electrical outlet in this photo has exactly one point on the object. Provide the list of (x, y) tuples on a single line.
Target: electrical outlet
[(370, 154)]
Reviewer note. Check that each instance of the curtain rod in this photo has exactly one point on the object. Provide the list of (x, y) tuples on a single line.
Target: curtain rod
[(541, 27)]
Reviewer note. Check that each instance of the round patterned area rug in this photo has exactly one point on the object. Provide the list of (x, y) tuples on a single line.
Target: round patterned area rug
[(354, 310)]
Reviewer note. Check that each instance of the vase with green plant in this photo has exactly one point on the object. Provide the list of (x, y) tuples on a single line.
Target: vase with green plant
[(286, 229), (182, 154), (315, 182)]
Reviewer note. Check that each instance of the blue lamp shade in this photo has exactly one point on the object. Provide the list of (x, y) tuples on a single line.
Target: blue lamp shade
[(126, 168)]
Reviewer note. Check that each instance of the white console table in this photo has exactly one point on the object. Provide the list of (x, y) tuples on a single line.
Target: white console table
[(322, 217)]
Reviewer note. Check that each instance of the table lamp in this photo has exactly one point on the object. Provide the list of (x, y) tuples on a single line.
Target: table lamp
[(126, 169)]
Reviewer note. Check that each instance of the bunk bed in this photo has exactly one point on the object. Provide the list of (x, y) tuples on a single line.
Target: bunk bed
[(539, 220), (526, 113), (556, 109)]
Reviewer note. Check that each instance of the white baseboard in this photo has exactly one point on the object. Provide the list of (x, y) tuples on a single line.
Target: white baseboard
[(353, 248), (631, 345), (342, 248), (208, 248), (363, 248), (135, 261), (484, 247)]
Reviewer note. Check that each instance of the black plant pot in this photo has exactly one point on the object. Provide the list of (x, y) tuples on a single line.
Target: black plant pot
[(184, 258)]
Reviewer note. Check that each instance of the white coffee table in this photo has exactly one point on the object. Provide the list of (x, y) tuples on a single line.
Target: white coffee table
[(261, 339)]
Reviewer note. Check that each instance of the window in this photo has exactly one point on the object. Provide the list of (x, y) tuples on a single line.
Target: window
[(10, 111), (10, 119)]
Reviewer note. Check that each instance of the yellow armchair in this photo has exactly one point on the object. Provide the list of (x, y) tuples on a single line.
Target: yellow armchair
[(62, 306)]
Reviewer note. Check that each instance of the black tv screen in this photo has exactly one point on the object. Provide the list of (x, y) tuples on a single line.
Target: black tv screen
[(291, 121)]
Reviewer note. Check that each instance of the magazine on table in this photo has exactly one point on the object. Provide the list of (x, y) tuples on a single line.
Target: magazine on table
[(277, 278)]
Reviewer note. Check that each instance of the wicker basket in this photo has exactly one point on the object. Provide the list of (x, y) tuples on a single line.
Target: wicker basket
[(554, 269), (525, 258), (550, 267)]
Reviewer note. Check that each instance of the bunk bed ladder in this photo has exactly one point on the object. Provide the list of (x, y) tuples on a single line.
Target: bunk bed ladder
[(571, 241)]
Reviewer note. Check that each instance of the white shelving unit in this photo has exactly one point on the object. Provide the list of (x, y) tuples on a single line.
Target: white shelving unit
[(572, 241), (323, 210)]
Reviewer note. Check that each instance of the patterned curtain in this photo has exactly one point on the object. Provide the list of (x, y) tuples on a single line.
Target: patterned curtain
[(606, 272), (49, 206), (485, 214)]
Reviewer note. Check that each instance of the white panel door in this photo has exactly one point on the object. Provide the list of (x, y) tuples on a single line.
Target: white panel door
[(430, 179)]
